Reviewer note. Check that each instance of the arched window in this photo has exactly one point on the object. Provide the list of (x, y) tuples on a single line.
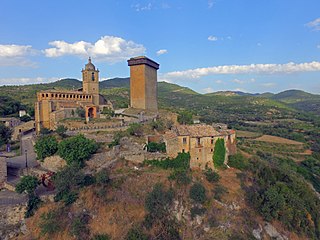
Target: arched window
[(92, 76)]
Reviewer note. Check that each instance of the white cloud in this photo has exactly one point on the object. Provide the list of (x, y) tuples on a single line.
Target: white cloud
[(245, 69), (16, 55), (207, 90), (138, 7), (25, 80), (270, 84), (162, 51), (314, 25), (212, 38), (107, 48), (252, 80)]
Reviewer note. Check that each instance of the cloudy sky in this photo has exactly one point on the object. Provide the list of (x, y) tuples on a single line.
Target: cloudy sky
[(207, 45)]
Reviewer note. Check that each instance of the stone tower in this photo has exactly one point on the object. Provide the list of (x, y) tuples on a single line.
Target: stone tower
[(90, 81), (143, 83)]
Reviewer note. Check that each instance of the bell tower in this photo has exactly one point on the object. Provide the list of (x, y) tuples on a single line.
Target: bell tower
[(90, 81)]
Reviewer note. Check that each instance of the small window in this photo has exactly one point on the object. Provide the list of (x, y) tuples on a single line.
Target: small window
[(211, 150), (47, 95), (229, 137), (212, 141), (197, 158), (198, 141), (42, 95), (183, 150), (92, 77), (184, 140)]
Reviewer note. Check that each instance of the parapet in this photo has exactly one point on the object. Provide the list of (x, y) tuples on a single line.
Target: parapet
[(143, 60)]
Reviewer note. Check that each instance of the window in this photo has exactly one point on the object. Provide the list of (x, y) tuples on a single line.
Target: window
[(92, 76), (183, 150), (47, 95), (229, 137), (211, 150), (184, 140), (198, 141)]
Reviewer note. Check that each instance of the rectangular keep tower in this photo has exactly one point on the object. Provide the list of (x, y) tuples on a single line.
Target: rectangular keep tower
[(143, 83)]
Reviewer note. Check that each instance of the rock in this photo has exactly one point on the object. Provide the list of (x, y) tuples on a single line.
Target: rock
[(273, 233), (257, 233), (53, 163)]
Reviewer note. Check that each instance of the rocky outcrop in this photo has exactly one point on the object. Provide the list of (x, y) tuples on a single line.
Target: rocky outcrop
[(53, 163)]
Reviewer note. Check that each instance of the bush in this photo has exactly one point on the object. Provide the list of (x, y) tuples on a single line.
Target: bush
[(108, 111), (157, 203), (33, 205), (238, 161), (101, 237), (28, 184), (211, 176), (102, 177), (158, 125), (136, 233), (61, 130), (79, 227), (135, 129), (218, 192), (156, 147), (50, 222), (77, 149), (219, 153), (46, 146), (25, 118), (197, 211), (181, 176), (45, 131), (81, 112), (182, 161), (198, 193)]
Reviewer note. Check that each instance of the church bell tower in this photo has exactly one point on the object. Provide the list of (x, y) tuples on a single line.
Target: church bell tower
[(90, 81)]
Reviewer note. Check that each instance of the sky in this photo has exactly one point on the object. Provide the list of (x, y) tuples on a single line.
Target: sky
[(207, 45)]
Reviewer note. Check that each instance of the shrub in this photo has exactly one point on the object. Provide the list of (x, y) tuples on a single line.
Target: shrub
[(102, 177), (50, 222), (46, 146), (198, 193), (181, 176), (69, 197), (81, 112), (28, 184), (219, 153), (158, 125), (238, 161), (182, 161), (101, 237), (116, 138), (156, 147), (135, 129), (77, 149), (25, 118), (108, 111), (45, 131), (136, 233), (157, 204), (61, 130), (33, 205), (79, 227), (197, 211), (218, 192), (211, 176)]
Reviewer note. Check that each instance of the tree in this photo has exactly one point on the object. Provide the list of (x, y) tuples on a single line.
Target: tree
[(108, 111), (198, 193), (5, 134), (46, 146), (185, 117), (61, 130), (77, 149), (27, 184), (25, 118), (219, 153)]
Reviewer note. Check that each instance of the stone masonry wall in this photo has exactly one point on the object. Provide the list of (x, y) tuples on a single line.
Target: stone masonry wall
[(3, 171)]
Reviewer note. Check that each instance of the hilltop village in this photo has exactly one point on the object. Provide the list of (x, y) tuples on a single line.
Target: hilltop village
[(87, 167)]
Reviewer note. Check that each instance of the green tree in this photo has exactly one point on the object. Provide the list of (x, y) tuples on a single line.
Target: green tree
[(46, 146), (211, 175), (27, 184), (108, 111), (61, 130), (5, 134), (219, 153), (136, 233), (25, 118), (198, 193), (77, 149), (156, 147), (238, 161), (81, 112), (185, 117)]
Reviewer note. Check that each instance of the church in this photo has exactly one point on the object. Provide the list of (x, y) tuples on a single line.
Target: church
[(52, 106)]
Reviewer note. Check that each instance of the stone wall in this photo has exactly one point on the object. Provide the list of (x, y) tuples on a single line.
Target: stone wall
[(3, 171)]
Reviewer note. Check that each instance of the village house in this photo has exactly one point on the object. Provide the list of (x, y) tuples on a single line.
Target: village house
[(198, 140)]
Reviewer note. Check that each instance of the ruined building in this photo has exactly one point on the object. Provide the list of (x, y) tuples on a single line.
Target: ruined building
[(199, 141)]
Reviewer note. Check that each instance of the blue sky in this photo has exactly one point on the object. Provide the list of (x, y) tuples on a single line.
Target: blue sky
[(208, 45)]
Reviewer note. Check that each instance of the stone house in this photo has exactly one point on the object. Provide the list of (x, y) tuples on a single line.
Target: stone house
[(199, 140)]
